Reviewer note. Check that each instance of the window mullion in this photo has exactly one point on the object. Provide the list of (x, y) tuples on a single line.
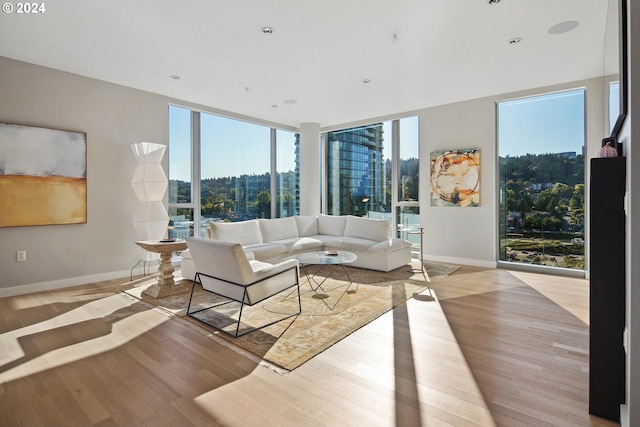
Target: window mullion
[(196, 172), (395, 170), (273, 182)]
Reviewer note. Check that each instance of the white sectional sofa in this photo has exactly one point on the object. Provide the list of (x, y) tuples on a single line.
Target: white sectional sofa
[(272, 240)]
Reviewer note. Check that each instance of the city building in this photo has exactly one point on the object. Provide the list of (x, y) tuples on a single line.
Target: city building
[(356, 174)]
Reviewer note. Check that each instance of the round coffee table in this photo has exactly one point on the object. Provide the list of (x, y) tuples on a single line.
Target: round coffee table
[(336, 259)]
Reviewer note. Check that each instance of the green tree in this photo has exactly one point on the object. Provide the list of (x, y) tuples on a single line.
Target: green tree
[(577, 198), (542, 202), (263, 204), (552, 223), (562, 191), (577, 217), (552, 203), (533, 222), (525, 203), (512, 201)]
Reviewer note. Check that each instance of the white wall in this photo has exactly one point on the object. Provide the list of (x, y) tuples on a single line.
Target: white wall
[(113, 118), (463, 235)]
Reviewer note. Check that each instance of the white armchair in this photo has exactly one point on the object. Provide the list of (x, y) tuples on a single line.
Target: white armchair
[(223, 268)]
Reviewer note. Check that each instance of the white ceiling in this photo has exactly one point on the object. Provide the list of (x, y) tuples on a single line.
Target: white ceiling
[(319, 53)]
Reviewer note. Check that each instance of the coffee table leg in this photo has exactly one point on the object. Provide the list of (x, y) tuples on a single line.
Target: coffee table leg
[(344, 270), (347, 274), (310, 278)]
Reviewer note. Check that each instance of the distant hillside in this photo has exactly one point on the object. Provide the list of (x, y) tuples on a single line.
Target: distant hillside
[(544, 168)]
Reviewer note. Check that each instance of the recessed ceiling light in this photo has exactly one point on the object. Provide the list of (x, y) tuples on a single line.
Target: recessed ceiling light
[(494, 1), (515, 40), (267, 30), (175, 76), (563, 27), (290, 101), (366, 81)]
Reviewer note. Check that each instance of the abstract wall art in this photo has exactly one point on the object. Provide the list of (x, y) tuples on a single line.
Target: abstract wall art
[(43, 176), (455, 177)]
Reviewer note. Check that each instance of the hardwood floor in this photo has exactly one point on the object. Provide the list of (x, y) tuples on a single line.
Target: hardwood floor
[(495, 348)]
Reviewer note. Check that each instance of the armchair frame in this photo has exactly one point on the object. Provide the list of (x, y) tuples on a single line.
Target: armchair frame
[(244, 301)]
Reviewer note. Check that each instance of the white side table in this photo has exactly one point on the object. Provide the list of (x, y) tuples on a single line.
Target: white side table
[(166, 284), (419, 231)]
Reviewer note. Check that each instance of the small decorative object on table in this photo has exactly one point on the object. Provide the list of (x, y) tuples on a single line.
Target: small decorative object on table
[(609, 148)]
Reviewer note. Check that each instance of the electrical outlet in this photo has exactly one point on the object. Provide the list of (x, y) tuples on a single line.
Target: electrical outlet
[(21, 256)]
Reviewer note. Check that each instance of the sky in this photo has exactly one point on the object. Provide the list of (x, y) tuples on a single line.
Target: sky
[(552, 123), (614, 104)]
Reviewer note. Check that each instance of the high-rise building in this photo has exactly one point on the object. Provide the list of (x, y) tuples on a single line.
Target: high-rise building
[(355, 170), (288, 187)]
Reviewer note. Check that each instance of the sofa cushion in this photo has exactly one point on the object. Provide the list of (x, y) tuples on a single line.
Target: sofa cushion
[(307, 225), (265, 251), (388, 246), (278, 229), (301, 244), (331, 225), (325, 239), (243, 232), (351, 244), (367, 228)]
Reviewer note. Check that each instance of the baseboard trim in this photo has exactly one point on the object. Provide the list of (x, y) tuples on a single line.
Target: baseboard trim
[(461, 261), (83, 280), (62, 283)]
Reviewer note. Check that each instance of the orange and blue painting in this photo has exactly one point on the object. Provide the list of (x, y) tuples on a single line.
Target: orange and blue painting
[(43, 176), (455, 177)]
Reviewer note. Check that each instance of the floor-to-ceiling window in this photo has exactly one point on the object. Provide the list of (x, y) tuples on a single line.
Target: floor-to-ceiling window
[(372, 171), (614, 104), (541, 180), (235, 170), (221, 169), (355, 170), (181, 200), (408, 181)]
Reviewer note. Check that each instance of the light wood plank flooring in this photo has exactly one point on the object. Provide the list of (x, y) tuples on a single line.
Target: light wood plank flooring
[(494, 348)]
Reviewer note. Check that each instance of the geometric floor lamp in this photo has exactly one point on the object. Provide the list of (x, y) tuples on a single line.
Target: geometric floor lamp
[(149, 182)]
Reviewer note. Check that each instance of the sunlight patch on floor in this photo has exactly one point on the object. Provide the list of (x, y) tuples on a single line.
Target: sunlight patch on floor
[(106, 323), (559, 290), (475, 282)]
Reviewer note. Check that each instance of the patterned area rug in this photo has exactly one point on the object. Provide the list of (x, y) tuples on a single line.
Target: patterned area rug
[(329, 313)]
